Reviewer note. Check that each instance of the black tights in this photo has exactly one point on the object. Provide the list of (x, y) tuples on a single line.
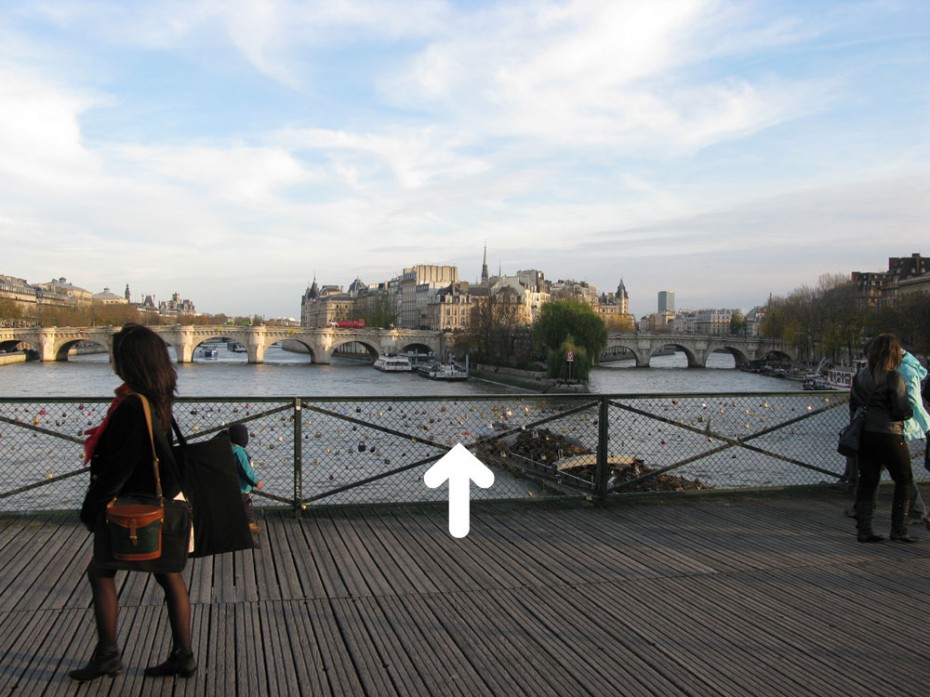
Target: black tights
[(106, 606)]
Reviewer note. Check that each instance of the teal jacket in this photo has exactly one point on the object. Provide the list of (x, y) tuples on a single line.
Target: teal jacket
[(916, 427), (247, 477)]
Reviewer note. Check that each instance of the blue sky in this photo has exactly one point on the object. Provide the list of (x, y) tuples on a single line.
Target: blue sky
[(233, 151)]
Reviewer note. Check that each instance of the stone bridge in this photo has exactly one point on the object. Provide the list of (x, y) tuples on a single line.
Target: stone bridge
[(697, 347), (54, 343)]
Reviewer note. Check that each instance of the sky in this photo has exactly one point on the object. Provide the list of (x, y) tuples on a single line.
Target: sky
[(233, 152)]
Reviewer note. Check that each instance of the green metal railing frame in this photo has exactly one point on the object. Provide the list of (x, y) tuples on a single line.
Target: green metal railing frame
[(580, 403)]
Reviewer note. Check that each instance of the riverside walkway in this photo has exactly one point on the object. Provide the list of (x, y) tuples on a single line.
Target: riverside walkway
[(745, 594)]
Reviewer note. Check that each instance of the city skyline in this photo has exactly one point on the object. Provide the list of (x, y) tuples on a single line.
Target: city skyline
[(722, 150)]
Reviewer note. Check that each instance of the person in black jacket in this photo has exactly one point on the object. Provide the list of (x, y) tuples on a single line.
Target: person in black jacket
[(882, 392), (120, 454)]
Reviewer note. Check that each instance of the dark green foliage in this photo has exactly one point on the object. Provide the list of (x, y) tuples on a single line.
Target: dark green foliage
[(569, 325)]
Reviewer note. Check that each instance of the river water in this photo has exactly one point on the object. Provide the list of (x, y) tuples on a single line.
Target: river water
[(287, 374)]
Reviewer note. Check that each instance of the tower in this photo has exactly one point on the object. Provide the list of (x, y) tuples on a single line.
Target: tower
[(666, 301), (484, 265)]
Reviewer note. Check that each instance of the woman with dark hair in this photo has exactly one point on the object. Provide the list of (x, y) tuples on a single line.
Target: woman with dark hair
[(120, 455), (882, 392)]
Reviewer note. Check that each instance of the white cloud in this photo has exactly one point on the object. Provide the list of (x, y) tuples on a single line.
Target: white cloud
[(40, 134), (355, 138)]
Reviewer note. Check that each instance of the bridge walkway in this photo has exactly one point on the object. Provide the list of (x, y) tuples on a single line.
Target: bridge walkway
[(765, 594)]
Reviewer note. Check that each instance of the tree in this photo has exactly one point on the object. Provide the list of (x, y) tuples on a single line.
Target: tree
[(569, 325), (737, 323), (377, 311), (497, 329)]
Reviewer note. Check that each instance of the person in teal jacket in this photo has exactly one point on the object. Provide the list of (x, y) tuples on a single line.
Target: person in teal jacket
[(918, 426), (248, 480)]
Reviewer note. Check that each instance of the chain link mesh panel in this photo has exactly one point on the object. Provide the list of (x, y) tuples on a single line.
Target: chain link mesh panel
[(330, 451)]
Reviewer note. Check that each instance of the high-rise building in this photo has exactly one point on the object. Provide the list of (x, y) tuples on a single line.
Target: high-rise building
[(666, 301)]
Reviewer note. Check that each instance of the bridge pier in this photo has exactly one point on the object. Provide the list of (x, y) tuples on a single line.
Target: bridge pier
[(255, 347), (47, 351)]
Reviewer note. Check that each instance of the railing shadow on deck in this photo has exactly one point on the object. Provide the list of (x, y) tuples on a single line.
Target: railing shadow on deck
[(375, 450)]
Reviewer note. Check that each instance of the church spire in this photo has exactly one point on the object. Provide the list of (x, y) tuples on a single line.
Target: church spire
[(484, 265)]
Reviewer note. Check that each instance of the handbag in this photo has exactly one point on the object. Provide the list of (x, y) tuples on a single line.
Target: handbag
[(144, 532), (211, 483), (851, 435), (175, 537)]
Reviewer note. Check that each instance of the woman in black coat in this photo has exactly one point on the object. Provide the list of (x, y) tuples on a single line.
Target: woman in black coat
[(120, 453), (883, 393)]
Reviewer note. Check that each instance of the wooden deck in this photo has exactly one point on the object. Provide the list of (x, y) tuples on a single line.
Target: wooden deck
[(698, 595)]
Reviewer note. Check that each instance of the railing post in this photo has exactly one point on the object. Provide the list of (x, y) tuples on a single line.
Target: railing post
[(601, 470), (298, 457)]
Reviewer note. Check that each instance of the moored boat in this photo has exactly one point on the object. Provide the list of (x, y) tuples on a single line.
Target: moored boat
[(841, 377), (393, 364), (443, 371), (816, 382)]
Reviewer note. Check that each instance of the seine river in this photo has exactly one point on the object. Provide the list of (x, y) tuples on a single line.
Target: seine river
[(286, 374)]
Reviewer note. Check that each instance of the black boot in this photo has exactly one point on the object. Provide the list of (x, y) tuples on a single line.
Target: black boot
[(864, 523), (105, 661), (179, 662), (899, 522)]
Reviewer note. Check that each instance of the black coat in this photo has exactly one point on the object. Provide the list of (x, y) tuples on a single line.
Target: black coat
[(888, 406), (122, 461)]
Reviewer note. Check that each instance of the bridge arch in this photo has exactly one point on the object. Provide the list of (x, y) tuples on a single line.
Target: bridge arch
[(739, 357), (62, 349), (696, 347)]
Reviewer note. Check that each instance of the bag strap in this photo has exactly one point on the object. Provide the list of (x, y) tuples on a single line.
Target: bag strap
[(177, 431), (148, 422)]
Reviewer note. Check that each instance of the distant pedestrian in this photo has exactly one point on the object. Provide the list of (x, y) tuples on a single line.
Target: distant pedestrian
[(248, 480), (883, 392), (918, 426)]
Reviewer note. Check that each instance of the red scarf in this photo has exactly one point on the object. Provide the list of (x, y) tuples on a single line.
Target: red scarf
[(93, 434)]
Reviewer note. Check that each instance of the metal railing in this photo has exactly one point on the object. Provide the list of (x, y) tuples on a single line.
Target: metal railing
[(338, 451)]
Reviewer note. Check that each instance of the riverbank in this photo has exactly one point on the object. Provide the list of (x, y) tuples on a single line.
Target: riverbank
[(11, 358), (531, 380)]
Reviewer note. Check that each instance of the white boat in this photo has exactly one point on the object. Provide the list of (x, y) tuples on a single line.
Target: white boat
[(393, 364), (841, 376)]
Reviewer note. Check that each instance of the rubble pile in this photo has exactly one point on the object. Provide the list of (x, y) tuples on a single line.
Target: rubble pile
[(573, 459)]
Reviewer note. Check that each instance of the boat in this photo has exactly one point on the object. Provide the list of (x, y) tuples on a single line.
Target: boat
[(235, 347), (444, 371), (393, 364), (840, 377), (209, 352), (816, 382)]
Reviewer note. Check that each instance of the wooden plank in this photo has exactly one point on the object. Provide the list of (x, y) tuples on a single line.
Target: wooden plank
[(289, 665), (342, 670), (327, 565), (498, 667), (368, 663), (200, 683), (306, 563), (690, 596), (445, 669), (251, 676), (282, 556)]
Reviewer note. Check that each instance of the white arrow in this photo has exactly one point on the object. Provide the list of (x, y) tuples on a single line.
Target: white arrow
[(460, 467)]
